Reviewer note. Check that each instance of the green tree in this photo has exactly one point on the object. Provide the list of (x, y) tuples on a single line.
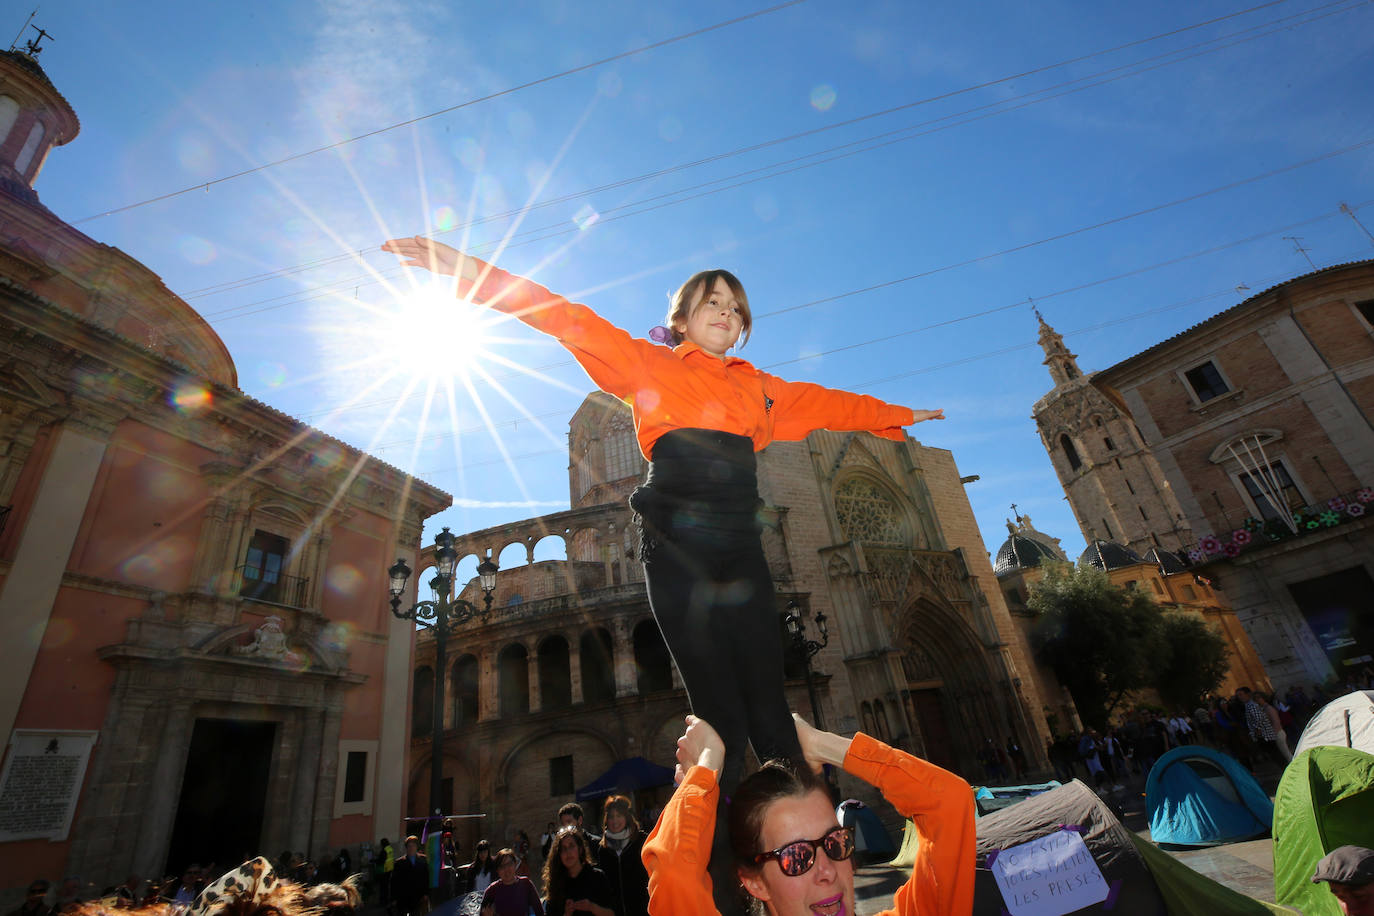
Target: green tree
[(1101, 641), (1197, 660)]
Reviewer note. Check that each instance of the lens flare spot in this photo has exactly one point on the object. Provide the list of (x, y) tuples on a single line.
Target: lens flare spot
[(670, 128), (520, 123), (272, 375), (191, 397), (444, 219), (195, 155), (609, 84), (586, 217), (536, 172), (648, 399), (60, 632), (766, 208), (470, 154), (337, 636), (823, 97), (197, 250), (344, 580)]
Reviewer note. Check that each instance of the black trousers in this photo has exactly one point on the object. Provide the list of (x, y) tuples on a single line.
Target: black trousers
[(712, 594)]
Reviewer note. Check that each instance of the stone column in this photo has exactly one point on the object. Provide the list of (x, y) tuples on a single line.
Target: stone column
[(41, 557), (623, 647), (532, 670), (488, 686), (575, 667)]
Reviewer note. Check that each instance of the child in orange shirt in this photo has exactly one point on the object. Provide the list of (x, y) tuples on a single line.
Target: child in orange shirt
[(700, 415)]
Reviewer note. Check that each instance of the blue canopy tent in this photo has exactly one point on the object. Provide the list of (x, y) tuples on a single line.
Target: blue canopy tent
[(1196, 796), (869, 833), (625, 776)]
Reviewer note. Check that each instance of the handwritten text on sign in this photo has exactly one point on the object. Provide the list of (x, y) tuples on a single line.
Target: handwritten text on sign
[(1050, 876)]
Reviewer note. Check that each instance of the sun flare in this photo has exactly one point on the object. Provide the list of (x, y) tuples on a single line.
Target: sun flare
[(443, 336)]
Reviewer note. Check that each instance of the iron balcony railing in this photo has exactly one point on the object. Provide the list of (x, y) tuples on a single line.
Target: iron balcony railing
[(271, 587)]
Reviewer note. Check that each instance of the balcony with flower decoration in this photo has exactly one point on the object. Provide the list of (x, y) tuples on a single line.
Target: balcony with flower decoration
[(1257, 533)]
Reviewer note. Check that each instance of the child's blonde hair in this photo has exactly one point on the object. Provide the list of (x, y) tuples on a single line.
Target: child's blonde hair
[(695, 290)]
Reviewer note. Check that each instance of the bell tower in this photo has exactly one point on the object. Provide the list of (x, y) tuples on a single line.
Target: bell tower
[(34, 117), (1114, 485)]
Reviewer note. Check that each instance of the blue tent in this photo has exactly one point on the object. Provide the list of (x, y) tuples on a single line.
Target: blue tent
[(626, 776), (1196, 796)]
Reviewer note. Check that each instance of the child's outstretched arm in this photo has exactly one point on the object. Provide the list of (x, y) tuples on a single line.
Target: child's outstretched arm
[(800, 408), (612, 358)]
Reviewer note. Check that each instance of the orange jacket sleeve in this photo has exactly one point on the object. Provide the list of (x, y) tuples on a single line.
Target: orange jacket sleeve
[(940, 804), (612, 358), (678, 849), (800, 408)]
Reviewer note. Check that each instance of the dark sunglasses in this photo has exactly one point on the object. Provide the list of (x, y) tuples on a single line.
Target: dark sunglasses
[(798, 857)]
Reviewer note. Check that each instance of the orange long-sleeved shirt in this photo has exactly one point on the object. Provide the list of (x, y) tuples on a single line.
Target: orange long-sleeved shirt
[(684, 387), (939, 803)]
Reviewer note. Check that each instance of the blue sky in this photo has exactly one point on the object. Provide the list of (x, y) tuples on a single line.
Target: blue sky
[(173, 96)]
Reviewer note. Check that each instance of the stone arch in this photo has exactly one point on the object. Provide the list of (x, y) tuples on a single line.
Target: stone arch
[(563, 728), (653, 663), (222, 641), (1070, 453), (513, 555), (958, 704), (513, 679), (550, 546), (555, 672), (596, 658), (457, 766)]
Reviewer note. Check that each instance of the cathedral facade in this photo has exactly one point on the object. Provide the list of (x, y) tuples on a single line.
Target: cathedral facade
[(568, 675)]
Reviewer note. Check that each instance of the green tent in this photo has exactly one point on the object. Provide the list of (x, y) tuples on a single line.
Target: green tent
[(1325, 800)]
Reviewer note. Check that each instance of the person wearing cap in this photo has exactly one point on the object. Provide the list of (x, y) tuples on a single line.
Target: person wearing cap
[(35, 901), (1349, 873)]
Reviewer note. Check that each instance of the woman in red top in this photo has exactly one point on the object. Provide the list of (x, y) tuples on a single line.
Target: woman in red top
[(700, 415)]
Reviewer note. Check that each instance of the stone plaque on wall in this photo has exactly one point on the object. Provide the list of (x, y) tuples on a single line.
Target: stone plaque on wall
[(41, 783)]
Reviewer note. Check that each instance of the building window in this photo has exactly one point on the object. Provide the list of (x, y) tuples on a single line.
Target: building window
[(1275, 486), (867, 513), (264, 566), (21, 162), (1108, 443), (1159, 589), (1128, 486), (1107, 528), (355, 777), (1070, 452), (652, 661), (555, 674), (598, 670), (513, 680), (1206, 382), (465, 697), (1142, 513), (622, 455), (1366, 310), (1131, 584), (1189, 593), (561, 775)]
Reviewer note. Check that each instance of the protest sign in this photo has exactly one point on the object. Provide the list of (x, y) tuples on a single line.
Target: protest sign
[(1051, 876)]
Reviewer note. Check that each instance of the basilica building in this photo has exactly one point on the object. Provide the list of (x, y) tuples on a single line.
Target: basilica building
[(194, 663), (871, 542)]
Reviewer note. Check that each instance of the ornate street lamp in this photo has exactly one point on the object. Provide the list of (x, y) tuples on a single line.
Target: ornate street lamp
[(442, 616), (807, 649)]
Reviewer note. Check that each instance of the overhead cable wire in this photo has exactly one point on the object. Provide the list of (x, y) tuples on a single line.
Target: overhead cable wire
[(658, 173), (681, 195), (206, 185)]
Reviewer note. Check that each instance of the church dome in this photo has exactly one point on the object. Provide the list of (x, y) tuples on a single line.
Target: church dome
[(1021, 552), (1167, 561), (1108, 555)]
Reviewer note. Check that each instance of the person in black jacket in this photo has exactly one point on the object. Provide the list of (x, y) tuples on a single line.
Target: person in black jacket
[(410, 880), (619, 856)]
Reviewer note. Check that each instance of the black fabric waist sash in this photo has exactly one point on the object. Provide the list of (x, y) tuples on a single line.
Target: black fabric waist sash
[(700, 479)]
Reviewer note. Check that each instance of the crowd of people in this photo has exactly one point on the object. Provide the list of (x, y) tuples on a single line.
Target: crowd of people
[(1259, 729)]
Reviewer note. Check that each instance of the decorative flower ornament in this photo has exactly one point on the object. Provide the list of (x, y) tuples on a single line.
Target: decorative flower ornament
[(1210, 544), (1365, 495), (1329, 518), (1254, 525), (1354, 510), (1195, 555), (1232, 549), (1240, 537)]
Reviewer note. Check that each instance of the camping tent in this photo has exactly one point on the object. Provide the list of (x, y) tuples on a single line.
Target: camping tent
[(1145, 880), (1196, 796), (1325, 800), (989, 799), (626, 776), (870, 835), (1346, 721)]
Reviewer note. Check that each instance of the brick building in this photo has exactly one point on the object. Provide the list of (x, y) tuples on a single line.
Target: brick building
[(569, 674), (196, 663), (1262, 420)]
